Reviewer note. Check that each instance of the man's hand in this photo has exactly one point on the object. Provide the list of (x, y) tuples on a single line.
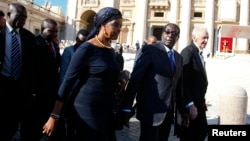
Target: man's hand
[(126, 117), (193, 113), (185, 120)]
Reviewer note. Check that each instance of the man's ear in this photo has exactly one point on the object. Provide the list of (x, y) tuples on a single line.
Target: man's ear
[(193, 38), (177, 38)]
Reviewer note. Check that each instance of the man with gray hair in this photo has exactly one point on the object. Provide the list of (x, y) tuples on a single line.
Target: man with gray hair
[(195, 86)]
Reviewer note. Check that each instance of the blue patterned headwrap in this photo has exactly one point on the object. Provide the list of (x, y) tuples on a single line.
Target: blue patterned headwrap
[(103, 16)]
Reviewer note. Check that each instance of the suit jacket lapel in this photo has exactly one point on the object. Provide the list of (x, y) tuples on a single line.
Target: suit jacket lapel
[(23, 44), (177, 62), (2, 47), (165, 56), (198, 59)]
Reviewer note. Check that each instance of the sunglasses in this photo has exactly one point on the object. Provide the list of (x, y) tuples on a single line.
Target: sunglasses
[(174, 33)]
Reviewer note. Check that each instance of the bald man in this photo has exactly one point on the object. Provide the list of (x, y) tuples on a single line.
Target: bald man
[(151, 40)]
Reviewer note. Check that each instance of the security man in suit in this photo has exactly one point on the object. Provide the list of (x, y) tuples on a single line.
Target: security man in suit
[(17, 59), (47, 77)]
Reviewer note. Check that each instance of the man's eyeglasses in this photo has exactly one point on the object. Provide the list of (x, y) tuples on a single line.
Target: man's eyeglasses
[(174, 33)]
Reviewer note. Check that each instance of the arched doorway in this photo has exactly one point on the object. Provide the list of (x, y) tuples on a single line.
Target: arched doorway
[(124, 35), (157, 30), (87, 20)]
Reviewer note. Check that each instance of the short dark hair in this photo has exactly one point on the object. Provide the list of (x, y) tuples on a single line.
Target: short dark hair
[(1, 13), (48, 20), (18, 7), (84, 32), (177, 27)]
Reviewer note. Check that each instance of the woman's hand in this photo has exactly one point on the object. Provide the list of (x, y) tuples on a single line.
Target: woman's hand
[(50, 126)]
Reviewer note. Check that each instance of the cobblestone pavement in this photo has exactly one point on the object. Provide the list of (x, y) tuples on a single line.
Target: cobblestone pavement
[(222, 71), (132, 133)]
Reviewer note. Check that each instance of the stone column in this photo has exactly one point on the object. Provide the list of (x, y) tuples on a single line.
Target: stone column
[(111, 3), (209, 23), (185, 24), (233, 106), (244, 19), (70, 20), (140, 21), (131, 34), (174, 11)]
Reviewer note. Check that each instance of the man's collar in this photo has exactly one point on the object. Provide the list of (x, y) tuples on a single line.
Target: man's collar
[(168, 48), (10, 28), (200, 50), (44, 38)]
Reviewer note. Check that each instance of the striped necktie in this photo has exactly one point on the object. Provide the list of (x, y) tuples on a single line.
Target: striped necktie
[(16, 65)]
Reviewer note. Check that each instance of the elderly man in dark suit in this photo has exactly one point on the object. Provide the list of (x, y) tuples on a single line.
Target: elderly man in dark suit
[(156, 82), (195, 85), (17, 58)]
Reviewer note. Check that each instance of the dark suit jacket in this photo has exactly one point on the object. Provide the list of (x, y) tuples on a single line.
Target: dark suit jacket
[(47, 72), (152, 83), (195, 78), (28, 58), (65, 60)]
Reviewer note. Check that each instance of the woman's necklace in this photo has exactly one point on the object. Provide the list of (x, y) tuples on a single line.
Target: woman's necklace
[(104, 46)]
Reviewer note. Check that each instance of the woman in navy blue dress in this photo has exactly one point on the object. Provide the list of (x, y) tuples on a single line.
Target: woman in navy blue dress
[(94, 64)]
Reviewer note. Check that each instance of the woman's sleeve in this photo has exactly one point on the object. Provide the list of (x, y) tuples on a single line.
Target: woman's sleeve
[(77, 63)]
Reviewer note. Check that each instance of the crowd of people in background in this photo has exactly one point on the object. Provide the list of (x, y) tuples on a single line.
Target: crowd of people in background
[(126, 47), (65, 91)]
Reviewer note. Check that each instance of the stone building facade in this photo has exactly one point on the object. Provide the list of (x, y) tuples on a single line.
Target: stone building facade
[(37, 13), (147, 17), (143, 18)]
